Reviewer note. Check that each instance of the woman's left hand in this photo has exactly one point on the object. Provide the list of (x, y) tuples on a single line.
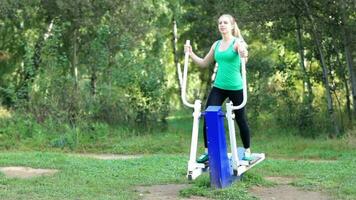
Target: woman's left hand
[(241, 47), (243, 52)]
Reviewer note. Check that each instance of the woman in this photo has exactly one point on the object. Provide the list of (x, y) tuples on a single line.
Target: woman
[(227, 52)]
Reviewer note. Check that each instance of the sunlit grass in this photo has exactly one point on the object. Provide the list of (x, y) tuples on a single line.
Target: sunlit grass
[(316, 163), (85, 178)]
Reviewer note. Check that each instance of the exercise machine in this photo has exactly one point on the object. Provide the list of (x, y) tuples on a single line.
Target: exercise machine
[(224, 167)]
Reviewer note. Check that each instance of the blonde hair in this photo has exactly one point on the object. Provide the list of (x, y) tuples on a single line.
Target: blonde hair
[(235, 31)]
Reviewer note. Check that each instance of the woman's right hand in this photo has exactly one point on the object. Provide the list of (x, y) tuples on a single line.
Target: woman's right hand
[(188, 49)]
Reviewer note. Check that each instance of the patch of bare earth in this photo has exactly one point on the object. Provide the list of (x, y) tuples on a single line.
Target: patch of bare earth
[(26, 172), (283, 191), (164, 192), (108, 156)]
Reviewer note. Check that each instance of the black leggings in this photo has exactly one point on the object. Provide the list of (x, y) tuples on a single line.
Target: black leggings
[(216, 98)]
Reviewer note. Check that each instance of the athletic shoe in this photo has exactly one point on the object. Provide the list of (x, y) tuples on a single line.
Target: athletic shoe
[(247, 156), (203, 158)]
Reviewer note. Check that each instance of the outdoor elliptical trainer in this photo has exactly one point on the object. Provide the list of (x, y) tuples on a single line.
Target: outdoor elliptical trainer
[(224, 167)]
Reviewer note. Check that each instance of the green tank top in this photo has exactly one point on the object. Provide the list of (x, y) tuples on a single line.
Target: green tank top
[(228, 76)]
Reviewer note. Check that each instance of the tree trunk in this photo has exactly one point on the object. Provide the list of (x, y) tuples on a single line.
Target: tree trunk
[(340, 112), (347, 90), (31, 67), (347, 48), (110, 74), (175, 52), (334, 88), (75, 60), (325, 70), (306, 80), (93, 81), (73, 105)]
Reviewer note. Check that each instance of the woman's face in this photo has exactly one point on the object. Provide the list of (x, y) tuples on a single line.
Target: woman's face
[(225, 25)]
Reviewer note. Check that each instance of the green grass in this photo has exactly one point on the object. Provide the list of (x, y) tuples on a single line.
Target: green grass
[(84, 178), (319, 164), (238, 190)]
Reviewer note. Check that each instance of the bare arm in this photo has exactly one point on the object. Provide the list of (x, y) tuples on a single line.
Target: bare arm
[(202, 62)]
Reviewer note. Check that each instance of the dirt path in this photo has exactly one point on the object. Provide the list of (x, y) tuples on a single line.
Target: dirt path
[(26, 172), (284, 191), (164, 192)]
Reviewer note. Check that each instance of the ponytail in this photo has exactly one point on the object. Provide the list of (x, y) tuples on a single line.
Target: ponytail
[(236, 31)]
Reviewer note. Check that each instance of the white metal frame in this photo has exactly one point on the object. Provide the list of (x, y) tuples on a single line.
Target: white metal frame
[(239, 167), (194, 169)]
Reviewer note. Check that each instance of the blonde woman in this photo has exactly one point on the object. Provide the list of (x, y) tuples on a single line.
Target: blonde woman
[(227, 52)]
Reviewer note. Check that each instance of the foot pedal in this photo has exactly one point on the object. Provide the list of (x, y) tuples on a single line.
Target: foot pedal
[(244, 162), (255, 159)]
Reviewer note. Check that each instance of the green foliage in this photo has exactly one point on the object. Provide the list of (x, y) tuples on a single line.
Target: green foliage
[(238, 190), (89, 64), (20, 131), (111, 62)]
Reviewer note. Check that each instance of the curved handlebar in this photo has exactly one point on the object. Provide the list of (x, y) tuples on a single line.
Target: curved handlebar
[(243, 73), (183, 79)]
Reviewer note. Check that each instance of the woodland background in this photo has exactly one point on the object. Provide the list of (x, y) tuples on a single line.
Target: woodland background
[(71, 68)]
